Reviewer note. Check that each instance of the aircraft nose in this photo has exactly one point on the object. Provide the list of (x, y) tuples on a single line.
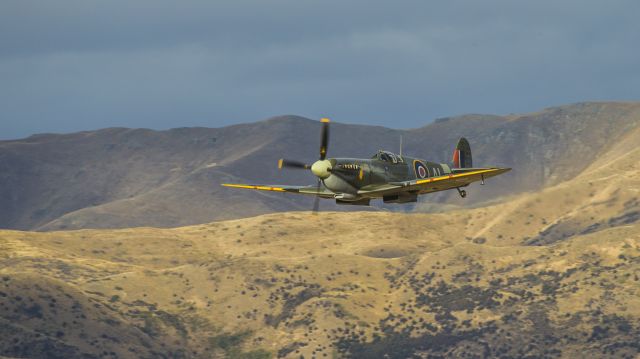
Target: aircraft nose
[(321, 169)]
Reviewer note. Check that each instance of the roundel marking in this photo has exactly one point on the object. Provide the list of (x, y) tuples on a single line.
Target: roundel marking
[(421, 171)]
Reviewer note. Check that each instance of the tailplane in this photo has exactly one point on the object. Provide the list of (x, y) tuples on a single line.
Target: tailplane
[(462, 154)]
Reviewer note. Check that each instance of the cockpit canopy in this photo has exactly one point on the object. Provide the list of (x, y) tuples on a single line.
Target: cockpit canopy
[(387, 157)]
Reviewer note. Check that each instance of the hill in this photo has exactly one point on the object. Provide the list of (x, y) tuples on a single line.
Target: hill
[(116, 178), (545, 274)]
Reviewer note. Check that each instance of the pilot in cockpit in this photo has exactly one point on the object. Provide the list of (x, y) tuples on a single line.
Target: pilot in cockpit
[(388, 157)]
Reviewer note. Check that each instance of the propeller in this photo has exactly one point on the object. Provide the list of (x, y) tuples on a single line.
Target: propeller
[(321, 168)]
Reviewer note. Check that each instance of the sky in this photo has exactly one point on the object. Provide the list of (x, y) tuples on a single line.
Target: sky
[(72, 65)]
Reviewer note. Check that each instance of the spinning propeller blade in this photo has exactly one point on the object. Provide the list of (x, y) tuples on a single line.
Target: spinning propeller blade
[(324, 139), (292, 164), (316, 203)]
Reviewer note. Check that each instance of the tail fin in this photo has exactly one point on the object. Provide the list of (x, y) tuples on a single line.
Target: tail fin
[(462, 154)]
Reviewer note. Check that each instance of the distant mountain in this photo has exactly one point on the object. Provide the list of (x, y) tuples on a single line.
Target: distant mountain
[(122, 177)]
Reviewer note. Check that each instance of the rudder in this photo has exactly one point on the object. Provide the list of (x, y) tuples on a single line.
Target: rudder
[(462, 154)]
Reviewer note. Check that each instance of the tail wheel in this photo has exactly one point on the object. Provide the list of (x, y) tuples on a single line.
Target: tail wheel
[(462, 192)]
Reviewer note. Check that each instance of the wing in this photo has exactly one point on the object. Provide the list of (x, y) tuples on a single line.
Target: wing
[(309, 190), (460, 177)]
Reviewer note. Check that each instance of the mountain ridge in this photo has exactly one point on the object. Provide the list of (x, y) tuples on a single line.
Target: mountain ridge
[(120, 177)]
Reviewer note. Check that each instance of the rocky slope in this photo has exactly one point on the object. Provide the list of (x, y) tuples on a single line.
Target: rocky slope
[(134, 177)]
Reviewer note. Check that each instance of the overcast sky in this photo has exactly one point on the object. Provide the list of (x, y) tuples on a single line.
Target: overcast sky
[(78, 65)]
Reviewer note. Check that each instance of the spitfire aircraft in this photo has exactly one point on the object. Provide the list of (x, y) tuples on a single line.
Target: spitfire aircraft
[(392, 177)]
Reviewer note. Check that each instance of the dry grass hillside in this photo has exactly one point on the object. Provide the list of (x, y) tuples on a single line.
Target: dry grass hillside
[(116, 178), (553, 273)]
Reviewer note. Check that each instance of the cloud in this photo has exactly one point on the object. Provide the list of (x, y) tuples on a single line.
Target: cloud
[(72, 65)]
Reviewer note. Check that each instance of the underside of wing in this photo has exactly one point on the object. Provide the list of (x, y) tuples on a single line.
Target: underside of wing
[(380, 190), (458, 178), (309, 190)]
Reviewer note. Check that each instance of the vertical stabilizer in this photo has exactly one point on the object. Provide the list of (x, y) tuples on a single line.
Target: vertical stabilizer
[(462, 154)]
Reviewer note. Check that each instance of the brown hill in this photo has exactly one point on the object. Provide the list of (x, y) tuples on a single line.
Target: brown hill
[(124, 177), (546, 274)]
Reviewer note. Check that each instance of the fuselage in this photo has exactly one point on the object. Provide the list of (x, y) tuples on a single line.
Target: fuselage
[(385, 167)]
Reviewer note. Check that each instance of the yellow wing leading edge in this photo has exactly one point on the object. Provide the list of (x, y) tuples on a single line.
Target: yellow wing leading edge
[(261, 188), (309, 190)]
